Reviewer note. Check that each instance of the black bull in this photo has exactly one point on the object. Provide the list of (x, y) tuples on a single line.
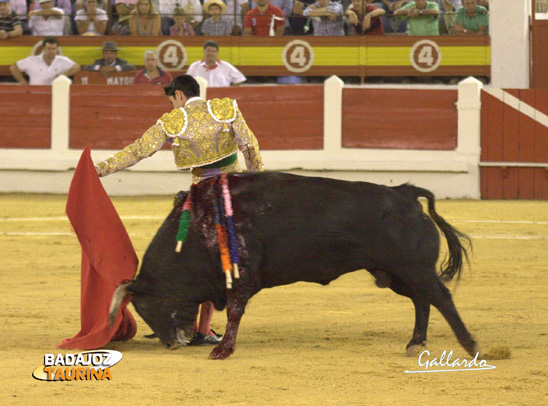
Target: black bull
[(293, 228)]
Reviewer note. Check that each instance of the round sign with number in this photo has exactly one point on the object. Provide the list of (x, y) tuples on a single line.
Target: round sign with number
[(171, 55), (425, 56), (298, 56)]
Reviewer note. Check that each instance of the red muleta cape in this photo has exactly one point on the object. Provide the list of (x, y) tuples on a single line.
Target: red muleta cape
[(108, 259)]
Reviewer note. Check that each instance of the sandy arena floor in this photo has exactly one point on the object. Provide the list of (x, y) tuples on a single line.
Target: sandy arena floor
[(343, 344)]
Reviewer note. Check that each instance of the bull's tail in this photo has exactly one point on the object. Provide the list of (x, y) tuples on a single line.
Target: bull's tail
[(119, 295), (458, 252)]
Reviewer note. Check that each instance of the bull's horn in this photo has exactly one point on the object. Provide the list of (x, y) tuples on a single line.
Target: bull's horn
[(119, 295)]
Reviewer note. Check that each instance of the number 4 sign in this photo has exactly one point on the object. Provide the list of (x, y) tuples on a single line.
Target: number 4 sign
[(298, 56), (425, 56), (171, 55)]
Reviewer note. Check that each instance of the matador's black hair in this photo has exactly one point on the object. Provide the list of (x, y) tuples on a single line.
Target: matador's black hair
[(186, 84)]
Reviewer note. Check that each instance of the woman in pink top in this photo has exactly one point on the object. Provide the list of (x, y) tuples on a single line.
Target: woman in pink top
[(144, 20)]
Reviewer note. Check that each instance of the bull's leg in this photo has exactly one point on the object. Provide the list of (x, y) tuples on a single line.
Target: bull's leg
[(435, 292), (234, 311), (422, 315)]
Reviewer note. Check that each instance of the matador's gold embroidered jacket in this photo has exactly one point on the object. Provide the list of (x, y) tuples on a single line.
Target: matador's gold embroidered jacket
[(201, 133)]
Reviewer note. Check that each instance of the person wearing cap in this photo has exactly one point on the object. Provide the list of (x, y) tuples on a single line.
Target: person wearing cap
[(152, 74), (91, 20), (48, 20), (43, 69), (205, 137), (216, 25), (217, 73), (10, 25), (110, 61)]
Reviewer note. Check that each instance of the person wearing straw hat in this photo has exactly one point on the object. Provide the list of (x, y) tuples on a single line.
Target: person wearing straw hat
[(216, 25), (110, 61)]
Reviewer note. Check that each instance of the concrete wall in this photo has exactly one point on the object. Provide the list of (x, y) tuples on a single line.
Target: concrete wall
[(509, 31), (449, 174)]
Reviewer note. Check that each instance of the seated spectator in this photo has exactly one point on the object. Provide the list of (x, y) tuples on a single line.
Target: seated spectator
[(64, 5), (330, 14), (47, 20), (448, 15), (152, 74), (192, 9), (422, 17), (124, 8), (472, 19), (20, 8), (299, 24), (145, 20), (236, 11), (216, 25), (365, 18), (43, 69), (265, 20), (120, 16), (287, 8), (181, 27), (102, 4), (91, 20), (390, 23), (217, 73), (10, 25), (110, 61)]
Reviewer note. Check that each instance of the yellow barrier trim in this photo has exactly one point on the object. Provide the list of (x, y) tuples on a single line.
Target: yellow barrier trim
[(272, 56)]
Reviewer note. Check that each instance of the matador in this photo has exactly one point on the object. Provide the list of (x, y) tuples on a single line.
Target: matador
[(205, 137)]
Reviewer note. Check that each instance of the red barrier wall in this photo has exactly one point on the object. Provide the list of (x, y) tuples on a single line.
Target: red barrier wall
[(399, 118), (281, 117), (111, 117), (510, 136), (26, 116)]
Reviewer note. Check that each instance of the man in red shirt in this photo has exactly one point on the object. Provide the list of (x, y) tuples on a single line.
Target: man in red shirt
[(152, 75), (264, 20)]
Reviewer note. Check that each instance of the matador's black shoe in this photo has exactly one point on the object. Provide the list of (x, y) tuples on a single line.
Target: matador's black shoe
[(201, 339)]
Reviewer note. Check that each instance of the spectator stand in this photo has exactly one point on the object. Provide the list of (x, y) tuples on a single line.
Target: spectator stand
[(356, 56)]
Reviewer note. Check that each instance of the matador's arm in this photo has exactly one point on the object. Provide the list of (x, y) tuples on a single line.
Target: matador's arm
[(248, 143), (151, 141)]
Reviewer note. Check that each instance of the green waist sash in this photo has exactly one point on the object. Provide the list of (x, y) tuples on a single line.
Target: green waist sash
[(229, 160)]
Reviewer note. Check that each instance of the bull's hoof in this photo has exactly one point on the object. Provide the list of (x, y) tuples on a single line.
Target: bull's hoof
[(475, 349), (221, 352), (414, 349)]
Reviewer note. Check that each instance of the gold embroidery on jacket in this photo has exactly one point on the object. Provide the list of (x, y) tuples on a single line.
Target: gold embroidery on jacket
[(222, 110), (174, 123)]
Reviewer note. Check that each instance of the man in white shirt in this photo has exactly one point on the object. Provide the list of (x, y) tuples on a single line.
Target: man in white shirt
[(217, 73), (48, 20), (44, 68)]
